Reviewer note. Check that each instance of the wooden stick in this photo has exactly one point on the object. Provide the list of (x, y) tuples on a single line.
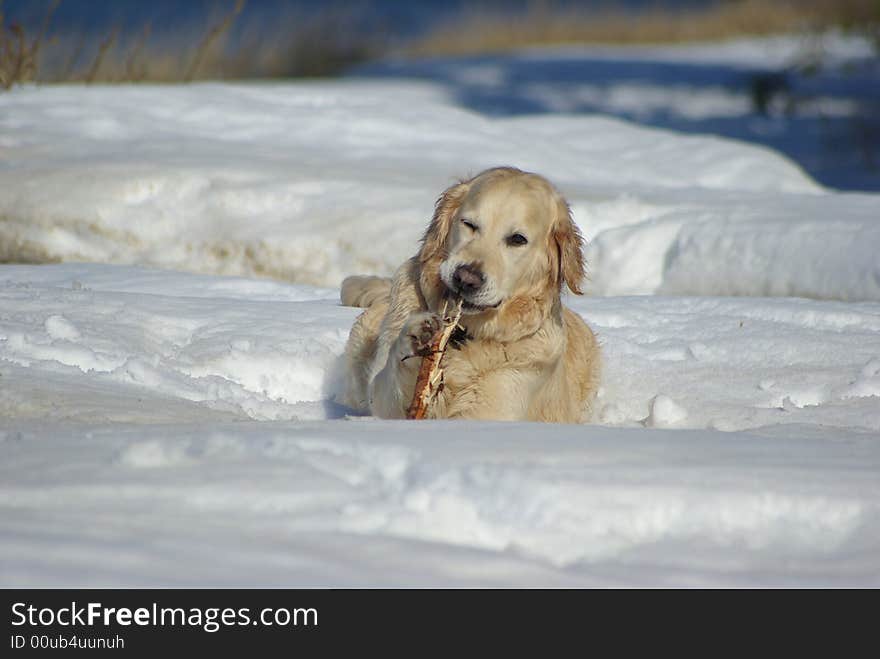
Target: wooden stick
[(430, 374)]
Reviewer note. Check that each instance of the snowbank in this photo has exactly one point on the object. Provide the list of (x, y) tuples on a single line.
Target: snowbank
[(253, 349), (368, 503), (149, 419), (312, 181)]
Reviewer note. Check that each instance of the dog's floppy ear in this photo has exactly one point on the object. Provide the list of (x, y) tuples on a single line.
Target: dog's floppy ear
[(434, 239), (569, 245)]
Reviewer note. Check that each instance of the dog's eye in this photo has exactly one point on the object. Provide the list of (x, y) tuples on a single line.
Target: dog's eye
[(470, 225), (517, 240)]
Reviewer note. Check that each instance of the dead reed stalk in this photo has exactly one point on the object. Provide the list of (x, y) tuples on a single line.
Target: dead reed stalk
[(211, 39), (18, 58)]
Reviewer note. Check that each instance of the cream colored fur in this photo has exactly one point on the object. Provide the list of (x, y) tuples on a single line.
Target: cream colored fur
[(527, 357)]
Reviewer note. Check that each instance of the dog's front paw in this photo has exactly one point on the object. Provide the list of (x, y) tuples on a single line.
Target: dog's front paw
[(417, 335)]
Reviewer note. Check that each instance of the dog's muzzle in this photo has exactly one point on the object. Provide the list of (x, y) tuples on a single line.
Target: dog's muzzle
[(466, 283), (468, 279)]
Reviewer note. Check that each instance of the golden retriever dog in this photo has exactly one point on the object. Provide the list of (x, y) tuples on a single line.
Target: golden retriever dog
[(502, 244)]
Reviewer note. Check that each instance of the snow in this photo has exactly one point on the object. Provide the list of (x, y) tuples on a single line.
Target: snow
[(302, 182), (168, 392), (747, 53), (252, 360), (165, 428), (665, 412), (814, 98)]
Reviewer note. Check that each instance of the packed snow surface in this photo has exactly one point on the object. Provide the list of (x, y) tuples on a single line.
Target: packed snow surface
[(161, 428)]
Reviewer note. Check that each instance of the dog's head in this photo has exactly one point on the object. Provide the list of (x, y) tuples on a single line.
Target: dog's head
[(502, 243)]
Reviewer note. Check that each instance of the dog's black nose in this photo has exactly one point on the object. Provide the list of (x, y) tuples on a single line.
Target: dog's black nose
[(468, 278)]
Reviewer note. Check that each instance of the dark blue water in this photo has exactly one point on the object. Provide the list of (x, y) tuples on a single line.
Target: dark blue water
[(397, 18)]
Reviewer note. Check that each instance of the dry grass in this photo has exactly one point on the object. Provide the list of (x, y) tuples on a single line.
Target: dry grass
[(225, 45), (235, 47), (546, 23), (231, 44), (19, 55)]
